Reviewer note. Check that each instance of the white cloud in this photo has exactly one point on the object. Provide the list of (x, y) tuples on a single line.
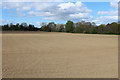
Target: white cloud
[(19, 6), (67, 11), (38, 23), (102, 12), (114, 4), (80, 16), (0, 3), (61, 11), (105, 19), (32, 0), (9, 5), (4, 21), (52, 11), (31, 12), (112, 12), (26, 8), (66, 5), (59, 0), (108, 16)]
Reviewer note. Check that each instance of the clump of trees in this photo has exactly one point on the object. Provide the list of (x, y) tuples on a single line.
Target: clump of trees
[(19, 27), (52, 27), (70, 27), (83, 27)]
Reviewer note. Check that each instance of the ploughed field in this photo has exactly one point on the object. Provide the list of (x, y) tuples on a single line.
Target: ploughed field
[(59, 55)]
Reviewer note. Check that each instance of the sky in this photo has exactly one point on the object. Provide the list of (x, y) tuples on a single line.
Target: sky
[(59, 12)]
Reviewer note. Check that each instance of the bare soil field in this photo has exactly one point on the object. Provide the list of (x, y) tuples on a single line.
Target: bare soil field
[(59, 55)]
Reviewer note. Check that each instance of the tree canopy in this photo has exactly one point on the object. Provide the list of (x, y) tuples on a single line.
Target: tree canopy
[(71, 27)]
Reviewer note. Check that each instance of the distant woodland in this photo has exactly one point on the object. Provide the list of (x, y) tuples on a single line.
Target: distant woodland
[(70, 27)]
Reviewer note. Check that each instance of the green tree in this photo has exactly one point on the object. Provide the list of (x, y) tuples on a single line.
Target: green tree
[(101, 28), (94, 31), (17, 27), (21, 28), (5, 27), (69, 26), (45, 28)]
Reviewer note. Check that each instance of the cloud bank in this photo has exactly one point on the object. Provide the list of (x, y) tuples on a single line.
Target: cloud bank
[(54, 11), (51, 11)]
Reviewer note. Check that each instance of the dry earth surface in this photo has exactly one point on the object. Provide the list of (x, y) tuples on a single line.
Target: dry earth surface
[(59, 55)]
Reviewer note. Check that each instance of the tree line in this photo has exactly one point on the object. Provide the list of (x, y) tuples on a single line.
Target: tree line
[(19, 27), (70, 27), (82, 27)]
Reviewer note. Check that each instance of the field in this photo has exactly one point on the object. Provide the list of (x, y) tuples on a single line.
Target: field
[(59, 55)]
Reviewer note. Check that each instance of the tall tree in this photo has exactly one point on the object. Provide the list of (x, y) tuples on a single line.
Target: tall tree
[(69, 27)]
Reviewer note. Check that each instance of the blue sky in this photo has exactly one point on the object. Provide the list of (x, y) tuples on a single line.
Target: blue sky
[(59, 12)]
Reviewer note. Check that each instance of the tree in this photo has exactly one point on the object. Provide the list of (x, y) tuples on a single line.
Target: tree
[(45, 28), (69, 26), (24, 24), (21, 28), (78, 28), (51, 26), (5, 27), (60, 27), (31, 27), (101, 28), (94, 31), (11, 26), (17, 27), (114, 28)]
